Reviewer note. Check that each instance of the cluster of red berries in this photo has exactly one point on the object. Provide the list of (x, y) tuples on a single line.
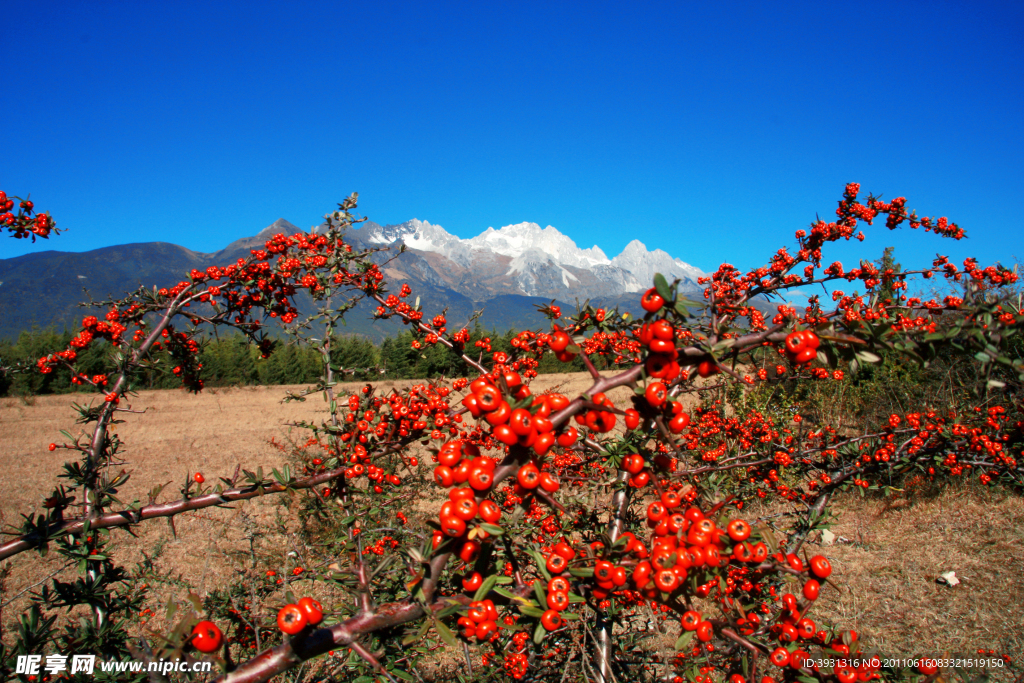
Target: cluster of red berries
[(802, 346), (381, 546), (794, 625), (480, 622), (558, 588), (524, 421), (460, 462), (293, 618), (636, 465), (656, 402), (659, 338), (682, 542), (516, 664), (22, 224), (850, 664), (597, 419), (462, 508), (559, 343)]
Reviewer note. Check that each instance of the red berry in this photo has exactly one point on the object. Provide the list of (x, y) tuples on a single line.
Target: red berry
[(691, 620), (291, 619), (206, 637), (651, 301), (528, 476), (821, 567), (313, 610), (551, 620), (656, 394)]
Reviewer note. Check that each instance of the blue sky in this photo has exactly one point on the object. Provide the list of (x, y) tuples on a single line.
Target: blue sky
[(712, 130)]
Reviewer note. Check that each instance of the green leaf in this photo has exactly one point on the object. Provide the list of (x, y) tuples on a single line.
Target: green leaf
[(196, 601), (485, 588), (449, 610), (538, 590), (505, 592), (172, 609), (446, 634), (541, 564), (661, 285), (531, 611), (684, 640), (492, 529), (401, 674), (504, 580), (768, 537), (868, 357), (582, 572), (538, 634)]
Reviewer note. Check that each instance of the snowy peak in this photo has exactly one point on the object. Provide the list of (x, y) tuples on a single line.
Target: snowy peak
[(643, 264), (530, 260), (514, 240), (528, 267), (416, 234)]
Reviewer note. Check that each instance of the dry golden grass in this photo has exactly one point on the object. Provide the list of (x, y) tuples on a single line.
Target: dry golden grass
[(899, 547), (179, 434), (887, 574)]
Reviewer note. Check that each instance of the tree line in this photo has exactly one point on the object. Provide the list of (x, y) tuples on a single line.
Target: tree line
[(231, 361)]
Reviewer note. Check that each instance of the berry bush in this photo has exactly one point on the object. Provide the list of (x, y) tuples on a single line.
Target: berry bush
[(540, 535)]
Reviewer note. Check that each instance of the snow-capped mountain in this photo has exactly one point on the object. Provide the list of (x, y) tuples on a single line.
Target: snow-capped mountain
[(504, 273), (515, 240), (636, 259), (526, 259)]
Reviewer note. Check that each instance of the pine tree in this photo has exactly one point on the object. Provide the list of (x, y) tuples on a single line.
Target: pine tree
[(885, 290)]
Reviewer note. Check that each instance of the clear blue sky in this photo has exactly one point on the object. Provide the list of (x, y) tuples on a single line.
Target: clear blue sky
[(712, 130)]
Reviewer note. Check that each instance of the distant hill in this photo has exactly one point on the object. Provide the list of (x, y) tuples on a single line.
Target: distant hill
[(505, 273)]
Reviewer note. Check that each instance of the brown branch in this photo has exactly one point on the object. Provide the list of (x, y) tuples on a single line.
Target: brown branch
[(589, 364), (371, 660), (129, 517), (294, 651)]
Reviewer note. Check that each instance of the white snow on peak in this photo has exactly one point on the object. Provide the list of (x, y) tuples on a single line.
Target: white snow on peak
[(416, 234), (528, 262), (426, 237), (514, 240), (511, 240), (636, 259), (535, 251)]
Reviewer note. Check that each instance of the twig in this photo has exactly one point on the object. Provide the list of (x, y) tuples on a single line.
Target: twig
[(42, 580)]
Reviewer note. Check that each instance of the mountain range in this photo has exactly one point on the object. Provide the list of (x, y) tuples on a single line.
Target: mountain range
[(505, 273)]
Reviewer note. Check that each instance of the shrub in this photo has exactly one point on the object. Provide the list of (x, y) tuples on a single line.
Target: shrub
[(556, 522)]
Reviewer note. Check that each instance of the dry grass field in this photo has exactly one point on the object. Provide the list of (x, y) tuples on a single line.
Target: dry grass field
[(896, 546)]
